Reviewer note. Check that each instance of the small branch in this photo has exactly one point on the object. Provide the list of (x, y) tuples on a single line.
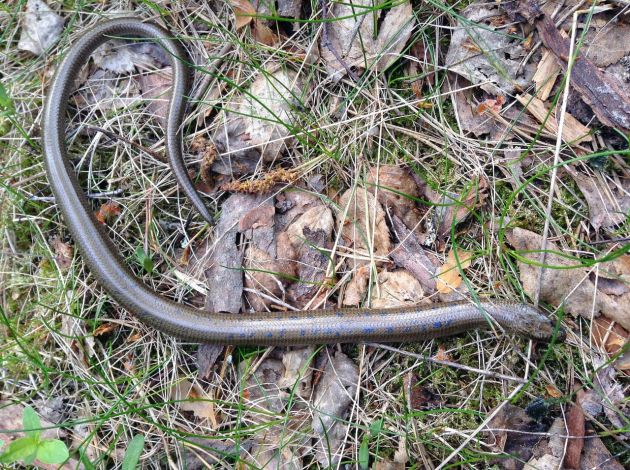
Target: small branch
[(115, 136)]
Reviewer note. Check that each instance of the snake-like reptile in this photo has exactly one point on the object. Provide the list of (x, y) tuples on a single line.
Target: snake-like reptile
[(279, 328)]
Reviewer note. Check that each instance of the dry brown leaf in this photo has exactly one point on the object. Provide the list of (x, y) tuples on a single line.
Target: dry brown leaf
[(571, 288), (356, 288), (485, 53), (364, 228), (63, 252), (297, 368), (107, 212), (351, 35), (513, 433), (256, 126), (395, 289), (263, 274), (410, 254), (105, 328), (418, 396), (244, 12), (596, 456), (41, 28), (155, 87), (397, 191), (448, 275), (333, 395), (612, 338), (191, 397), (494, 105), (575, 430), (441, 354), (573, 132), (546, 74), (454, 208), (607, 207), (552, 391)]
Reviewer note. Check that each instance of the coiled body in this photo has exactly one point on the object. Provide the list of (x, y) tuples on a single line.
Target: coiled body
[(283, 328)]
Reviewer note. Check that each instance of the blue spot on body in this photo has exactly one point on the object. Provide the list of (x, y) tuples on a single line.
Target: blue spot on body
[(437, 324), (407, 329), (390, 330), (302, 332), (339, 314), (368, 329), (269, 335)]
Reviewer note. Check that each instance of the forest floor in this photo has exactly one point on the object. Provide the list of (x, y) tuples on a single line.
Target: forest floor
[(364, 153)]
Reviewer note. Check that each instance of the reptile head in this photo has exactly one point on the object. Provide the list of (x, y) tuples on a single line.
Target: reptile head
[(532, 324)]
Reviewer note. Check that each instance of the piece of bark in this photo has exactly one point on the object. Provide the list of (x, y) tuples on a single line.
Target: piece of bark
[(575, 428), (546, 74), (573, 131), (602, 93), (207, 355), (410, 254)]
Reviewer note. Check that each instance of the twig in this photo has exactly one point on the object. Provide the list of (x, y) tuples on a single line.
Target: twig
[(449, 363), (135, 145), (613, 240)]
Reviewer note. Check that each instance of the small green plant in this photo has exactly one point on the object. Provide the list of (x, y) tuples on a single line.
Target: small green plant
[(30, 447), (6, 110), (133, 452), (364, 451), (145, 259)]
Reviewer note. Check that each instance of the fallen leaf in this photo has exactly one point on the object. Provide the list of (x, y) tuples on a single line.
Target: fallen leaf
[(351, 36), (608, 44), (41, 28), (442, 355), (397, 191), (548, 453), (263, 275), (244, 12), (573, 131), (513, 433), (312, 264), (274, 448), (105, 328), (63, 252), (357, 287), (492, 58), (575, 429), (335, 392), (607, 207), (571, 288), (107, 91), (261, 389), (546, 74), (449, 274), (410, 254), (156, 89), (552, 391), (608, 336), (258, 125), (207, 355), (491, 104), (107, 212), (452, 209), (418, 396), (363, 228), (191, 397), (595, 455), (298, 373), (395, 289)]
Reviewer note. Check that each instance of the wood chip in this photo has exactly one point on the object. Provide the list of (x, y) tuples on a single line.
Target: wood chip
[(546, 74), (573, 132)]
